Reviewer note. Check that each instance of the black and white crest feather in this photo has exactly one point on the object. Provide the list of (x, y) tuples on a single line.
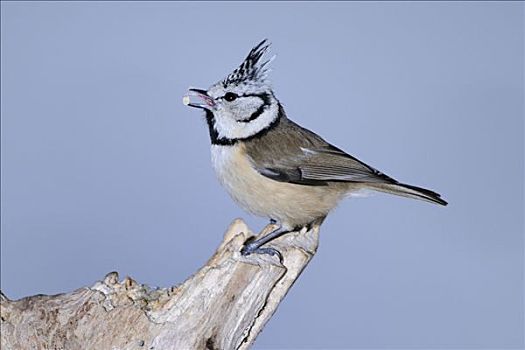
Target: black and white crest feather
[(252, 70)]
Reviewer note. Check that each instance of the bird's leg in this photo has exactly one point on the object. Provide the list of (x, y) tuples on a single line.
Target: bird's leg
[(255, 246)]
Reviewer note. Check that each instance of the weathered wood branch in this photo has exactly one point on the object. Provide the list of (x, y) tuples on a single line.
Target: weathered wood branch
[(223, 306)]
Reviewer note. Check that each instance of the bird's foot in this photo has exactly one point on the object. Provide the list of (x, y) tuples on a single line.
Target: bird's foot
[(254, 248)]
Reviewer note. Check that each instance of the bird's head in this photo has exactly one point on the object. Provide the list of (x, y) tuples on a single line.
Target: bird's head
[(242, 104)]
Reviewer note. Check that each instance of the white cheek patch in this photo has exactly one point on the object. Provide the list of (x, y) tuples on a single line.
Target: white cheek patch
[(229, 128), (247, 106)]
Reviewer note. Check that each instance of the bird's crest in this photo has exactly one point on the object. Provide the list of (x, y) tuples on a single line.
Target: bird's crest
[(252, 70)]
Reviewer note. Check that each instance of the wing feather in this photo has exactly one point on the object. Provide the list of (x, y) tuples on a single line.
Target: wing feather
[(296, 155)]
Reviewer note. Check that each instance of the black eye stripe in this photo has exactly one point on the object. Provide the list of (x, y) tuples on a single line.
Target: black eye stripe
[(263, 96)]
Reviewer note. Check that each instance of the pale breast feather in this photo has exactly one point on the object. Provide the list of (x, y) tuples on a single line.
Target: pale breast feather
[(222, 159)]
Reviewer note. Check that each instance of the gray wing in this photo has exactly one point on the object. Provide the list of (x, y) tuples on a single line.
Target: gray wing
[(290, 153)]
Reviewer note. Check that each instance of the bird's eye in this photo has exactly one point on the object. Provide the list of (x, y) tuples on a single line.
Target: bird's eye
[(230, 96)]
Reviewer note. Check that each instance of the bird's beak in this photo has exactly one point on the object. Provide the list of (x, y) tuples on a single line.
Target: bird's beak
[(204, 101)]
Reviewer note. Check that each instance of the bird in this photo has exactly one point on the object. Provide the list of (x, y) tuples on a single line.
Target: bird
[(273, 167)]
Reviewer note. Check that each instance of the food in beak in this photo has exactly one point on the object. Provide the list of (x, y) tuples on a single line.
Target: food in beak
[(203, 100)]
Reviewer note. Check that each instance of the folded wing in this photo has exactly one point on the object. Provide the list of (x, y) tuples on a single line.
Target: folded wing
[(296, 155), (299, 156)]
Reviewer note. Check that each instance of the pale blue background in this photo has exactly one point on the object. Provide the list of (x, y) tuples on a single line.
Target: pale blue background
[(104, 169)]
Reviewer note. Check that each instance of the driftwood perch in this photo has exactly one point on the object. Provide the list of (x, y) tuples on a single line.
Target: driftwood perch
[(223, 306)]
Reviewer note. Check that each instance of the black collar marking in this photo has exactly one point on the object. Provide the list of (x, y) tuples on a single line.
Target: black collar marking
[(223, 141)]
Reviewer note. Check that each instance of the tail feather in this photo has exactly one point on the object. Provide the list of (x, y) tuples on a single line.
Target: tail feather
[(411, 192)]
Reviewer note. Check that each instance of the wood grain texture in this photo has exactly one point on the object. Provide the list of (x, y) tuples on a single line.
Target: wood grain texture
[(224, 305)]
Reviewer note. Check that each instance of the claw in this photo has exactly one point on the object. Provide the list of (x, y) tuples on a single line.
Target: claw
[(254, 249)]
